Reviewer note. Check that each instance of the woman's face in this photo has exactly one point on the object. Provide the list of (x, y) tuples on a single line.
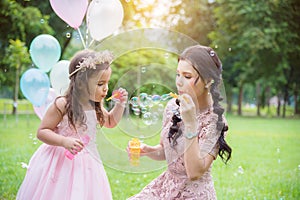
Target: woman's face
[(98, 85), (185, 80)]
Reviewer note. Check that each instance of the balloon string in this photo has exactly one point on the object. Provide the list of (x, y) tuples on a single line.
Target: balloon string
[(86, 37), (80, 35), (91, 43)]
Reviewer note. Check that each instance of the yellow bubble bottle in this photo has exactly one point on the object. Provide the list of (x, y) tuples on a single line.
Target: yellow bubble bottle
[(134, 149)]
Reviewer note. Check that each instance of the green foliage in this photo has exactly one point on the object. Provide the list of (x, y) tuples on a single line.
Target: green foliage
[(195, 19), (16, 58), (19, 25), (25, 22), (16, 54), (59, 28), (254, 42)]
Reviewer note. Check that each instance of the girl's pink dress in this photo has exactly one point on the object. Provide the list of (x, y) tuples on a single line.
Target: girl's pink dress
[(174, 183), (51, 175)]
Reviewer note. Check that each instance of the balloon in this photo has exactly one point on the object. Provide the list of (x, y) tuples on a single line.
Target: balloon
[(41, 110), (72, 12), (35, 86), (104, 17), (59, 76), (45, 51)]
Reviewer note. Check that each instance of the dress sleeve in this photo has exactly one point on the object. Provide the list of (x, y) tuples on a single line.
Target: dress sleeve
[(209, 136), (214, 152)]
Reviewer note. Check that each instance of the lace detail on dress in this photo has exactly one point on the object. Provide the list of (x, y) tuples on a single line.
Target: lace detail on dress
[(174, 183), (208, 133), (170, 187)]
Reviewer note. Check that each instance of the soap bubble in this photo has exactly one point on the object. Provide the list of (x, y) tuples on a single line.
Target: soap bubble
[(148, 83), (147, 118), (156, 99)]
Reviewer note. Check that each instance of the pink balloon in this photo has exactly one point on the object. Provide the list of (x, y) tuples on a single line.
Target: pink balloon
[(40, 110), (71, 11)]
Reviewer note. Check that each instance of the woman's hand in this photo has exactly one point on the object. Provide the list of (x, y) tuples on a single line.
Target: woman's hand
[(123, 95), (188, 112), (154, 152), (142, 149), (74, 145)]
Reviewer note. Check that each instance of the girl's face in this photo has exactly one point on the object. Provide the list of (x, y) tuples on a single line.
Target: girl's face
[(185, 80), (98, 85)]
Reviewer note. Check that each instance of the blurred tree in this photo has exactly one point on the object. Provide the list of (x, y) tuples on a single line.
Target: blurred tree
[(289, 15), (19, 24), (60, 29), (16, 57), (195, 19), (257, 34)]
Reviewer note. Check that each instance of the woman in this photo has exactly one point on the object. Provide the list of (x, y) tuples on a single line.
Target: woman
[(193, 131)]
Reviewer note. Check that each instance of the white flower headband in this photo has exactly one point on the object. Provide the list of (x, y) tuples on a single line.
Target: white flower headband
[(92, 62)]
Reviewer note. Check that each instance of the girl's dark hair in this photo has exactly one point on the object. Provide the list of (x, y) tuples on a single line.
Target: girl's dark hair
[(79, 86), (209, 67)]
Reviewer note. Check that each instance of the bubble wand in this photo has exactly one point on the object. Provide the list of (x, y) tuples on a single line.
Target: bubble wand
[(116, 94), (174, 95)]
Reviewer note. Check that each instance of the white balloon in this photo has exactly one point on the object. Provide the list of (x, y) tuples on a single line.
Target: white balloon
[(59, 77), (104, 17)]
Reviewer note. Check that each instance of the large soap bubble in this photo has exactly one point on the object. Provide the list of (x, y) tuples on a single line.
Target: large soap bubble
[(148, 85)]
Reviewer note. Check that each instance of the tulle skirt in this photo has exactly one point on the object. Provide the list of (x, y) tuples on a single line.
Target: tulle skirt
[(51, 175)]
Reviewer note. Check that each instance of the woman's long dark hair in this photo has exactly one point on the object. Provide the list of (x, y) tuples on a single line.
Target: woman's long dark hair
[(208, 66), (175, 131)]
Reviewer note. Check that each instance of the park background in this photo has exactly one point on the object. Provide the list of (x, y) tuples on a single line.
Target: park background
[(259, 45)]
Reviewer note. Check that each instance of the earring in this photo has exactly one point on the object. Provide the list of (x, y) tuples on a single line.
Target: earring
[(209, 84)]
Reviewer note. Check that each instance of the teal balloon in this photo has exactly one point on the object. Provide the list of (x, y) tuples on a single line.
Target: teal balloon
[(35, 86), (45, 51)]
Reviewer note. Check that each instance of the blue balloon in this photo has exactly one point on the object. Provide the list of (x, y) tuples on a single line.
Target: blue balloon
[(35, 86), (45, 51)]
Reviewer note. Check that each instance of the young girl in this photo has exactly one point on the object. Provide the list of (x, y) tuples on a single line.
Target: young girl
[(193, 131), (68, 165)]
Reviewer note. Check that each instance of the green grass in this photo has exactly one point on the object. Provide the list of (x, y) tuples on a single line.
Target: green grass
[(267, 149), (264, 111), (24, 106)]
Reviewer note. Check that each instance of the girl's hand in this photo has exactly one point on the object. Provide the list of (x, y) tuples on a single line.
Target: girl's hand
[(123, 94), (74, 145), (188, 112)]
